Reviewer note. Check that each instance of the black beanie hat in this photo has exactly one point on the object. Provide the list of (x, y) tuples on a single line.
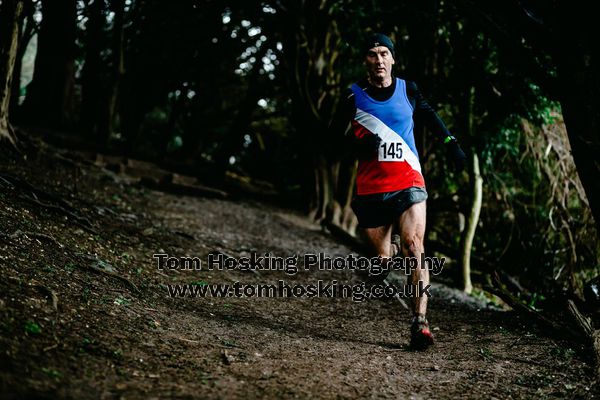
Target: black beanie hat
[(379, 39)]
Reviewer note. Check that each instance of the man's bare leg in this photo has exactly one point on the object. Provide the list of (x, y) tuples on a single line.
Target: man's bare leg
[(412, 232), (380, 240)]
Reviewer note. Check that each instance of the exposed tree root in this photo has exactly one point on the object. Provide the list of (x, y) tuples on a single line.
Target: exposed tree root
[(63, 206), (38, 235), (587, 329), (579, 329), (105, 272), (80, 221), (557, 328)]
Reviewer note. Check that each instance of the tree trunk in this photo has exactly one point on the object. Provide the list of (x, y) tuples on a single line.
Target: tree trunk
[(92, 82), (576, 54), (27, 29), (100, 86), (343, 178), (472, 225), (105, 127), (477, 187), (580, 107), (10, 14), (323, 194), (313, 41), (49, 100)]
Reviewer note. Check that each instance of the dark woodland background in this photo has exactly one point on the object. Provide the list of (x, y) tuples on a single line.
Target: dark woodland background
[(244, 91)]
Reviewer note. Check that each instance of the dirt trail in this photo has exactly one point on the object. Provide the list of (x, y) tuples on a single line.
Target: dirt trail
[(105, 340)]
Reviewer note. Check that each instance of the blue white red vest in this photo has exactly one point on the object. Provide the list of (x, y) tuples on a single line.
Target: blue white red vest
[(396, 166)]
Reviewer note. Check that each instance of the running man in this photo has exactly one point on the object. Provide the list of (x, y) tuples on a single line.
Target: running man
[(389, 185)]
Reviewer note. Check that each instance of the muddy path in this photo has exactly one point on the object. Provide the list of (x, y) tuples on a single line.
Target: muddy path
[(86, 313)]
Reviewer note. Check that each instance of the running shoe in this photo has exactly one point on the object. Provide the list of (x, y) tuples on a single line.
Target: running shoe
[(420, 335)]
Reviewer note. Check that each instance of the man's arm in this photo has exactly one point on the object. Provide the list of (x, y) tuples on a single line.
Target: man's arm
[(435, 124), (364, 147), (424, 111), (343, 115)]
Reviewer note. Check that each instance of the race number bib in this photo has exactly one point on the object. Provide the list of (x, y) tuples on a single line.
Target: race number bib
[(391, 151)]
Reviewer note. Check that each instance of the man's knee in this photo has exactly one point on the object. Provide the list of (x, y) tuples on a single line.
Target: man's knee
[(413, 242)]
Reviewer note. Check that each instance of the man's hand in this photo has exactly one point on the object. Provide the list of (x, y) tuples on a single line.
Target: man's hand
[(367, 146), (457, 154)]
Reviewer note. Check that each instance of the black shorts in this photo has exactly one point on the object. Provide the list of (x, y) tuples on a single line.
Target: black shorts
[(379, 209)]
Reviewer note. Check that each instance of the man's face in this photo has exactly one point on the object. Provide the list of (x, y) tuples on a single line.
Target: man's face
[(379, 63)]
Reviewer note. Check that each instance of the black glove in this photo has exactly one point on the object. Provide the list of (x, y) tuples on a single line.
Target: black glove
[(457, 154), (367, 146)]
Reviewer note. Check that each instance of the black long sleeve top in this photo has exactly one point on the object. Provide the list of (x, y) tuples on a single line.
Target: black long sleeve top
[(422, 110)]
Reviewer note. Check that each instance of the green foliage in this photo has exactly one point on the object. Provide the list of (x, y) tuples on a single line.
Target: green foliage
[(534, 299), (118, 354), (486, 354), (562, 353), (33, 328), (121, 301), (52, 373)]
